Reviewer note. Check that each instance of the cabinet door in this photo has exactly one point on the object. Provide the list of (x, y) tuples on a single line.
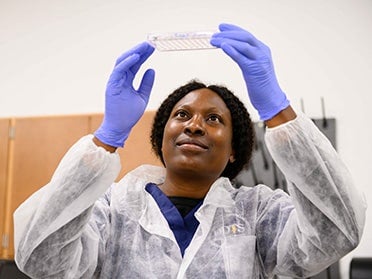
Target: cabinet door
[(36, 149), (4, 135), (137, 150)]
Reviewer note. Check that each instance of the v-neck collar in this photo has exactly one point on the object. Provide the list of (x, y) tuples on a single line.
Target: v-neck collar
[(183, 227)]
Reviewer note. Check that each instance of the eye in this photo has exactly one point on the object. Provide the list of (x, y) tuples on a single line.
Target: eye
[(214, 118), (181, 114)]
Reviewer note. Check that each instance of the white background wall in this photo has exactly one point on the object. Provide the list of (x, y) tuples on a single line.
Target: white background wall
[(55, 58)]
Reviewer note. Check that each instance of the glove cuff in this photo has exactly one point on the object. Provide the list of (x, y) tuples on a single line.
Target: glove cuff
[(271, 110), (111, 138)]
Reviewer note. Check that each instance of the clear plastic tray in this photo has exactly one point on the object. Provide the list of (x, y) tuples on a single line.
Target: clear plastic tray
[(181, 40)]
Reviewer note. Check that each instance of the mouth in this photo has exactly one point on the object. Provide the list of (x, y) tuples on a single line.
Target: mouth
[(192, 144)]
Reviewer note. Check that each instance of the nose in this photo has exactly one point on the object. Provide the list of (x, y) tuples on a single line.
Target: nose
[(195, 126)]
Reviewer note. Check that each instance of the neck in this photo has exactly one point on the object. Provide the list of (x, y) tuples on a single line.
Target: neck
[(188, 187)]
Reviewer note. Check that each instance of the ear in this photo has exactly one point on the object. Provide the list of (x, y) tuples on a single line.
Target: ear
[(232, 158)]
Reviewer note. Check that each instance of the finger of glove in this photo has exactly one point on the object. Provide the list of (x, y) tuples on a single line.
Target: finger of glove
[(239, 52), (146, 85), (145, 50), (228, 27), (131, 67), (240, 59), (136, 49), (236, 32), (120, 74), (239, 36)]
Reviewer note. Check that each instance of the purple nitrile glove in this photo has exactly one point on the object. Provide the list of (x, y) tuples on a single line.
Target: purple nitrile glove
[(125, 105), (254, 59)]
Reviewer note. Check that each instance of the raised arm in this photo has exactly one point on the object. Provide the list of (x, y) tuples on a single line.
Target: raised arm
[(60, 230), (326, 218)]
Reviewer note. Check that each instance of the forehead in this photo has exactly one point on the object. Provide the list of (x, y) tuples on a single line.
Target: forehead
[(203, 98)]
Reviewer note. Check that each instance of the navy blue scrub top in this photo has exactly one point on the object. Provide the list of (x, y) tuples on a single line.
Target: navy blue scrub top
[(179, 212)]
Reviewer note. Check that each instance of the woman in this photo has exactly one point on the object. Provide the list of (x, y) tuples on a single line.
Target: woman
[(186, 220)]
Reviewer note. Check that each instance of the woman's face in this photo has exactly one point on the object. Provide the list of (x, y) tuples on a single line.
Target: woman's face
[(198, 135)]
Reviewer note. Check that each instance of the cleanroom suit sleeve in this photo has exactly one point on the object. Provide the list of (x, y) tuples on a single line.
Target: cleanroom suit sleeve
[(52, 236), (329, 213)]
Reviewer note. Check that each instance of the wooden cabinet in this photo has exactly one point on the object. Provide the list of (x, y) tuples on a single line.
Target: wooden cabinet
[(137, 150), (31, 148), (35, 147)]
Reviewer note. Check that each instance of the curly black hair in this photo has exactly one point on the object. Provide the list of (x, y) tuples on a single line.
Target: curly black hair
[(242, 126)]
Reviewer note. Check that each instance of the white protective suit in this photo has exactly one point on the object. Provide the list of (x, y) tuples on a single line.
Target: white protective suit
[(75, 228)]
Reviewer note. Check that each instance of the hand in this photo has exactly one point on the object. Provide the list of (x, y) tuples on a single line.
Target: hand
[(125, 105), (254, 59)]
